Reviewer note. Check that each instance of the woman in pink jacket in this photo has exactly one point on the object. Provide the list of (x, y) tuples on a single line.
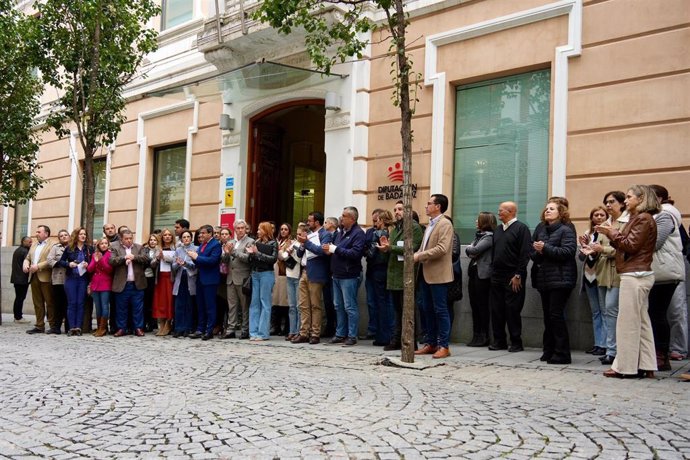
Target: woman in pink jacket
[(101, 283)]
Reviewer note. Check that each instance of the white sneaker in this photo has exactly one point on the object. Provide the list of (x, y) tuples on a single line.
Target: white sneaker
[(22, 321)]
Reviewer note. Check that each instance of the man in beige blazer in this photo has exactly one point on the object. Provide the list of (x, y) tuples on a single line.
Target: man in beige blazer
[(435, 257), (39, 270)]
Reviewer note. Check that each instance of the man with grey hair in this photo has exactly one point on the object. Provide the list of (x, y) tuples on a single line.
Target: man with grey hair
[(346, 252), (36, 265), (236, 256)]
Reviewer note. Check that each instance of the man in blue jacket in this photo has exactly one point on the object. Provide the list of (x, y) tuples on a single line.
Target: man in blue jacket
[(346, 252), (207, 261), (313, 279)]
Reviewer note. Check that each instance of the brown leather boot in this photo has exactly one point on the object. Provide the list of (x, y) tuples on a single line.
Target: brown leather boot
[(166, 328), (98, 323), (102, 327), (160, 327)]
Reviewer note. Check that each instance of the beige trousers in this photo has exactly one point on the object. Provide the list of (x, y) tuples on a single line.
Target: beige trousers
[(310, 309), (634, 336), (237, 304), (42, 296)]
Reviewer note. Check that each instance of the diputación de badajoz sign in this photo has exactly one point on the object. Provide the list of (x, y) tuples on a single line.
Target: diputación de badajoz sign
[(394, 191)]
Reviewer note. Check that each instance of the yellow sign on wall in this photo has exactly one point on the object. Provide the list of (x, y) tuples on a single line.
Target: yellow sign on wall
[(229, 198)]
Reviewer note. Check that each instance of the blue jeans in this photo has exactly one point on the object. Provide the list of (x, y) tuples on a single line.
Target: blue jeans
[(260, 308), (75, 289), (610, 301), (293, 313), (130, 295), (346, 306), (596, 298), (101, 300), (434, 309), (183, 306)]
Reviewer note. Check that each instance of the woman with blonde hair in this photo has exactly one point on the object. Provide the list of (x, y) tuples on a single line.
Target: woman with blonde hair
[(262, 255), (635, 244), (161, 262), (101, 284)]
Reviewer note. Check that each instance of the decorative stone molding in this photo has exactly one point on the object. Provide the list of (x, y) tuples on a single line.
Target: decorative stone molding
[(231, 139), (337, 121)]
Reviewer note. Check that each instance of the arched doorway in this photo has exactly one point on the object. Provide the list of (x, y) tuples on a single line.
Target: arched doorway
[(287, 163)]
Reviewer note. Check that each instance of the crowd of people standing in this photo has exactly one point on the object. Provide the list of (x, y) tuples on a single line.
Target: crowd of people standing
[(222, 282)]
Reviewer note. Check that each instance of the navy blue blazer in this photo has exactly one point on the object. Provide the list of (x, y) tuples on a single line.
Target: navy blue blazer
[(318, 268), (208, 263)]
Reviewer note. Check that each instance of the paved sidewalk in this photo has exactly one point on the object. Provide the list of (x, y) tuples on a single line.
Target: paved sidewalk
[(151, 397)]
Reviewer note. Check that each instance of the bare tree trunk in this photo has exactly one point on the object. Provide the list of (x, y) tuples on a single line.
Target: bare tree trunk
[(89, 194), (408, 317)]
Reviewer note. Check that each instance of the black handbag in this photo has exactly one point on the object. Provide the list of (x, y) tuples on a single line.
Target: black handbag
[(247, 286), (290, 262)]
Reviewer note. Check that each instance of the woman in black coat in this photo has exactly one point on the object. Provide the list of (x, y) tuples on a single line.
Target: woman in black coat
[(554, 249), (20, 279)]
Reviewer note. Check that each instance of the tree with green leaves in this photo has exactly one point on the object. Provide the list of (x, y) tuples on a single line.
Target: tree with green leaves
[(92, 49), (336, 31), (20, 90)]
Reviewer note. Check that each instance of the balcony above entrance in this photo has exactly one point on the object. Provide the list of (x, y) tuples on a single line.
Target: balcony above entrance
[(233, 38), (252, 81)]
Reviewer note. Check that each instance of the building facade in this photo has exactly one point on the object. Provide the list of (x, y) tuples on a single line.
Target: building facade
[(517, 101)]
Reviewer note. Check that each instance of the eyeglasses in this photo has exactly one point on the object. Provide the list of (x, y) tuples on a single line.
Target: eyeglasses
[(609, 201)]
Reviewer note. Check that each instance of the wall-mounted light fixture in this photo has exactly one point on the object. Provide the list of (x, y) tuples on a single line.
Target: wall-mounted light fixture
[(226, 122), (332, 101)]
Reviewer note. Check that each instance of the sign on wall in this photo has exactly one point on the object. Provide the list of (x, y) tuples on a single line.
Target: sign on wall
[(394, 190), (229, 192)]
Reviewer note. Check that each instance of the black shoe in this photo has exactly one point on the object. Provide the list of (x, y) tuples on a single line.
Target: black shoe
[(515, 348), (497, 346), (392, 346), (376, 343), (244, 336), (35, 331), (350, 341), (53, 331), (176, 334), (607, 360), (599, 351), (337, 339), (229, 335), (545, 357), (207, 337), (559, 361), (196, 335), (591, 350)]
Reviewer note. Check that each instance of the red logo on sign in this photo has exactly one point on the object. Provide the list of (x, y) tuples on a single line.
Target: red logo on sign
[(395, 174)]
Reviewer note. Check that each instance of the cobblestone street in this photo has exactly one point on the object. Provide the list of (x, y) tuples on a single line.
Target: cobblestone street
[(83, 397)]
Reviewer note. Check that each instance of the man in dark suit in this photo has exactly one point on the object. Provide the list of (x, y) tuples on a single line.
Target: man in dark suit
[(207, 261), (509, 258), (129, 260), (311, 282)]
